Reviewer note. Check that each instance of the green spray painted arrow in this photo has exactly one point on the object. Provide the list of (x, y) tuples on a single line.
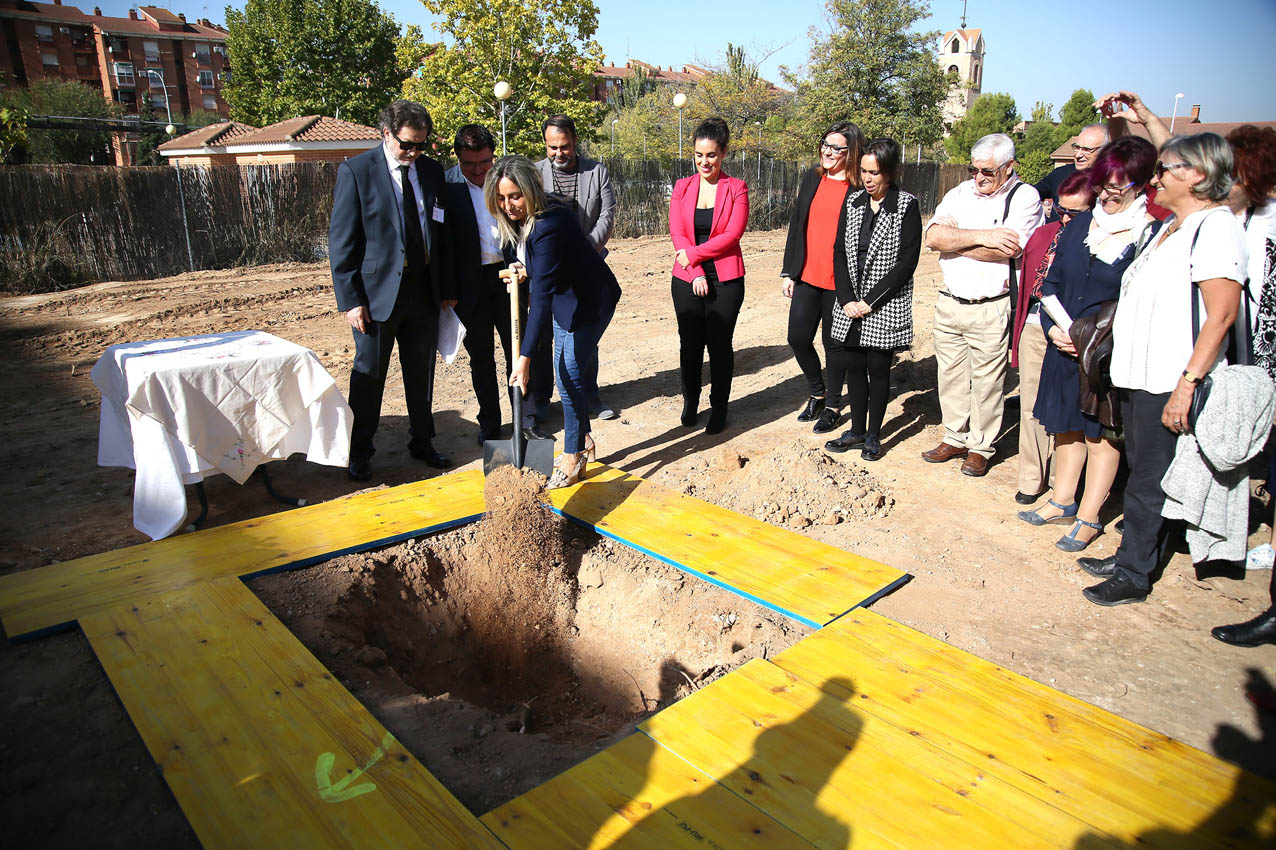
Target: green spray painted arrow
[(341, 790)]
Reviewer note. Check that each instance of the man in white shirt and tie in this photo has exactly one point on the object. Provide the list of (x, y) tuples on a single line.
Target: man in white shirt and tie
[(979, 230), (482, 303)]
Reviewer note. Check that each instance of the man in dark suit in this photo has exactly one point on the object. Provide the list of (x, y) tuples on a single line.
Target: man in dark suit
[(585, 186), (482, 305), (389, 249)]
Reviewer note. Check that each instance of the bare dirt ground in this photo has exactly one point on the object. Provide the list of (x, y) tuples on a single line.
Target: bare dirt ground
[(76, 772)]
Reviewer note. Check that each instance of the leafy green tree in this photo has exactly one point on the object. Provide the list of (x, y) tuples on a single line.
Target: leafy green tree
[(870, 67), (632, 89), (1034, 149), (69, 98), (737, 93), (13, 134), (1075, 114), (306, 57), (545, 50), (990, 113)]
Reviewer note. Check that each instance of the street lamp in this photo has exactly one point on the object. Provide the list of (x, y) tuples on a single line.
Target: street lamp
[(502, 91), (1175, 115), (679, 101), (181, 195), (614, 122)]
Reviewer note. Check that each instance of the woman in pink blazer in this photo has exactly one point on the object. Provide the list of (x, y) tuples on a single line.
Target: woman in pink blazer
[(707, 217)]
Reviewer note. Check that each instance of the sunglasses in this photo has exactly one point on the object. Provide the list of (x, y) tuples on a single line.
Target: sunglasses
[(1062, 211), (987, 172), (1162, 167), (410, 146)]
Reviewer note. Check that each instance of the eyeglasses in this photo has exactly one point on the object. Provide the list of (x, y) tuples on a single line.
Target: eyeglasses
[(1064, 211), (409, 146), (1113, 190), (987, 172), (1079, 148), (1162, 167), (837, 149)]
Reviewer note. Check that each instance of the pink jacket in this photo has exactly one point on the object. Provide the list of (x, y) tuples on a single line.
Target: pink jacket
[(730, 215)]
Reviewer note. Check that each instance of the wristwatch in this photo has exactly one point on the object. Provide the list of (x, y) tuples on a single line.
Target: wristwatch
[(1190, 378)]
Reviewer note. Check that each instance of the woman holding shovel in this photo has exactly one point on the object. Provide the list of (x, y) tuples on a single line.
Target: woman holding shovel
[(572, 294)]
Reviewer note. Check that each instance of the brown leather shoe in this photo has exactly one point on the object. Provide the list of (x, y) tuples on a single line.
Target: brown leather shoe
[(943, 452), (975, 466)]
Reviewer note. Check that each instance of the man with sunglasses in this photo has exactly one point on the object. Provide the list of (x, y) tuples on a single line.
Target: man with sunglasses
[(1084, 150), (979, 230), (389, 249)]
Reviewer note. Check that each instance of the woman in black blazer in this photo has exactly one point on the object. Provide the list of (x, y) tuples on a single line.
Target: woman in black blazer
[(572, 294), (807, 272), (879, 240)]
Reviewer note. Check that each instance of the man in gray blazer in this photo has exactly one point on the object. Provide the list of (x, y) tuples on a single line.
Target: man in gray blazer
[(585, 186)]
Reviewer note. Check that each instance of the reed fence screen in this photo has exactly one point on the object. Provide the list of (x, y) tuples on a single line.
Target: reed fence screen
[(62, 226)]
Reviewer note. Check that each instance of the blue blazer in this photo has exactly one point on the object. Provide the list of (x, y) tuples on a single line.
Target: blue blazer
[(567, 279), (365, 237)]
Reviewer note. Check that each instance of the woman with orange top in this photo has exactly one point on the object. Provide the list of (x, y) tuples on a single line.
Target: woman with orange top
[(807, 272)]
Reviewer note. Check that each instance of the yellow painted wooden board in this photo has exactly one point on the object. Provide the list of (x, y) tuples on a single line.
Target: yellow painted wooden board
[(803, 578), (1122, 778), (59, 594), (841, 777), (239, 716), (636, 794)]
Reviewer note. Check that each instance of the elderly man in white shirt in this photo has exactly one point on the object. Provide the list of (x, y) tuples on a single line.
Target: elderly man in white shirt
[(979, 230)]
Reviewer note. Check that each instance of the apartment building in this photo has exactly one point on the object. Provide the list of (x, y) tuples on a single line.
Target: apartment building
[(132, 61)]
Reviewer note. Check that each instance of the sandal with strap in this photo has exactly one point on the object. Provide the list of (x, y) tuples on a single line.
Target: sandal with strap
[(1069, 541), (1035, 517)]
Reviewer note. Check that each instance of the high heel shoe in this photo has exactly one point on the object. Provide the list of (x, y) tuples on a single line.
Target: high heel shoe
[(590, 452), (571, 465)]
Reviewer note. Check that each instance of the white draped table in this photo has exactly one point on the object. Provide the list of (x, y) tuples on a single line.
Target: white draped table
[(176, 410)]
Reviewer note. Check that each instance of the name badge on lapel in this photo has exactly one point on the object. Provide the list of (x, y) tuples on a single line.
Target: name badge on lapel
[(438, 214)]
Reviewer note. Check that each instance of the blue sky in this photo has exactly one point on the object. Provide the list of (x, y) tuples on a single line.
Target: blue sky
[(1218, 54)]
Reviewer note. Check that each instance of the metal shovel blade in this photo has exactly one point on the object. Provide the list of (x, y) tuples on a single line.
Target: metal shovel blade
[(536, 453)]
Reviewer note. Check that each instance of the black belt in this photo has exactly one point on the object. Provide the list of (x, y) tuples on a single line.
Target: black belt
[(974, 300)]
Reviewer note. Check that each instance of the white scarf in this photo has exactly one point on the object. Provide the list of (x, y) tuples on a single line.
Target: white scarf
[(1127, 224)]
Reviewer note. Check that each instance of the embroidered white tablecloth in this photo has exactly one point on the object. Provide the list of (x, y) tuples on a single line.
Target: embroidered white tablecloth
[(179, 409)]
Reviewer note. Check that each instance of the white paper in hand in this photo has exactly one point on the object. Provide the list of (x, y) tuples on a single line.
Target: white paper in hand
[(451, 333), (1054, 309)]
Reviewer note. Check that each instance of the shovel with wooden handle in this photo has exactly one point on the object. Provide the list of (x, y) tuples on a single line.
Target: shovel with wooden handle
[(520, 451)]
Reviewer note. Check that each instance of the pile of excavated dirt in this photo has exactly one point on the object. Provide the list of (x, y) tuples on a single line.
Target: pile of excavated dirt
[(502, 653), (794, 485)]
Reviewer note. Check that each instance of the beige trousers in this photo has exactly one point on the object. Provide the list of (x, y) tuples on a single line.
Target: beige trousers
[(972, 353), (1035, 445)]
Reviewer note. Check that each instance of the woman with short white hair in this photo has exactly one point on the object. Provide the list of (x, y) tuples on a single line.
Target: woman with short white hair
[(1179, 298)]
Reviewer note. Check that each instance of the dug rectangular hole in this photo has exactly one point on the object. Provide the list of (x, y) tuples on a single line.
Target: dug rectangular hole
[(503, 652)]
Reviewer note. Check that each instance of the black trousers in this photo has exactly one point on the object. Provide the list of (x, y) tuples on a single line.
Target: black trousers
[(414, 325), (490, 311), (707, 322), (1149, 449), (810, 308), (866, 372)]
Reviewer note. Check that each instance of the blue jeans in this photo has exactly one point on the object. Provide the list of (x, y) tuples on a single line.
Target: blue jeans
[(576, 363)]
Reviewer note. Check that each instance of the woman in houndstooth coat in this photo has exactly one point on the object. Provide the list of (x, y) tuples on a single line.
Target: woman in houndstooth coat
[(879, 240)]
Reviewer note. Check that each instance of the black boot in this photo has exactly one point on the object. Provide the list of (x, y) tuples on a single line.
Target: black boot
[(690, 410), (717, 420), (1255, 632), (872, 447)]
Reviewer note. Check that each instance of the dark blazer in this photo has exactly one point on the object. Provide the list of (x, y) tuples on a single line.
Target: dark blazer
[(567, 279), (795, 244), (467, 260), (365, 238)]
